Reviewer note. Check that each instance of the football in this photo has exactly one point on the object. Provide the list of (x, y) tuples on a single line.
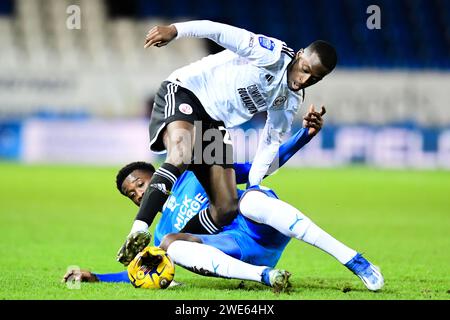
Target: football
[(152, 268)]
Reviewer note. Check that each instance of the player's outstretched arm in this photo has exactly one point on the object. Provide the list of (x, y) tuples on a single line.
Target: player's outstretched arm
[(285, 152), (112, 277), (278, 123), (312, 124), (160, 36), (88, 276), (228, 36), (259, 49), (79, 275)]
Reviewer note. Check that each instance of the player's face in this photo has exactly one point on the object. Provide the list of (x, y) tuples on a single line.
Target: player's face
[(135, 185), (305, 70)]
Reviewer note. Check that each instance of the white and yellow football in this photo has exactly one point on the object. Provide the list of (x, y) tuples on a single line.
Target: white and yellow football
[(152, 268)]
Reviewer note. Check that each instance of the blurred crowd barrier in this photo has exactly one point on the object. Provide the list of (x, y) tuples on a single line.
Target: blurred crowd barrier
[(351, 97), (100, 69), (115, 142)]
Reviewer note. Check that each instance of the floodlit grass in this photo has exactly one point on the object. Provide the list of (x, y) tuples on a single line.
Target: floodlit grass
[(52, 217)]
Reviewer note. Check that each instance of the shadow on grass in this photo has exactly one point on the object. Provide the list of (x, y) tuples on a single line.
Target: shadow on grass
[(298, 286)]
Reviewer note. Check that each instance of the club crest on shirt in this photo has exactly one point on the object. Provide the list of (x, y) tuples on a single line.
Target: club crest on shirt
[(279, 101), (185, 108), (266, 43)]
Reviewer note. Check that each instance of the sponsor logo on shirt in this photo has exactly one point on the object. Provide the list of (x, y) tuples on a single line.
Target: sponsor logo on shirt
[(185, 108), (252, 98), (266, 43), (188, 208)]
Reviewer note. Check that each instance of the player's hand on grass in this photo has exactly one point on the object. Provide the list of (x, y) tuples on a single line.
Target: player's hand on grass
[(79, 276), (134, 244), (160, 36), (313, 120)]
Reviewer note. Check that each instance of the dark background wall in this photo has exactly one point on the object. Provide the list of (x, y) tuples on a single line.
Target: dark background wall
[(413, 34)]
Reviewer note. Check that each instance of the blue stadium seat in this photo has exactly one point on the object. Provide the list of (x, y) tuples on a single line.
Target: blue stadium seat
[(413, 34)]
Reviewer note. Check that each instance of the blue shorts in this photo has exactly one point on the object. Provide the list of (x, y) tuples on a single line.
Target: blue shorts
[(248, 241)]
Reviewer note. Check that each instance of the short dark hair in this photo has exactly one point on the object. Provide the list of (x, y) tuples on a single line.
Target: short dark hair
[(326, 52), (129, 168)]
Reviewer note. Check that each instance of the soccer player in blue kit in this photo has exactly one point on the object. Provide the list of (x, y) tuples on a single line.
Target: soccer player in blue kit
[(248, 248)]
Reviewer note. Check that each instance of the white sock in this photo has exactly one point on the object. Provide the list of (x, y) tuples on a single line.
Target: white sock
[(138, 225), (280, 215), (207, 260)]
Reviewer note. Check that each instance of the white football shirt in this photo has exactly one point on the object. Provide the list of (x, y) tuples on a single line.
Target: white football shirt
[(250, 76)]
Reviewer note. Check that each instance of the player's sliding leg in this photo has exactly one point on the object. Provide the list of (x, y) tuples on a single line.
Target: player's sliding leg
[(210, 261), (258, 206)]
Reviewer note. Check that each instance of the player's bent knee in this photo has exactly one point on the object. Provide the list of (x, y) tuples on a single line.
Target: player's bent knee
[(248, 201)]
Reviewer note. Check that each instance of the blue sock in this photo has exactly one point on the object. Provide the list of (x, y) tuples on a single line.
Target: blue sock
[(357, 264), (265, 276)]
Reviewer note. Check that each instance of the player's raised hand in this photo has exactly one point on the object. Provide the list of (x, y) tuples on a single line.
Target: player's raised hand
[(160, 36), (313, 120)]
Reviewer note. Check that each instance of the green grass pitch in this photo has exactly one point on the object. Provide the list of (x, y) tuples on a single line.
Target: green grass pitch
[(52, 217)]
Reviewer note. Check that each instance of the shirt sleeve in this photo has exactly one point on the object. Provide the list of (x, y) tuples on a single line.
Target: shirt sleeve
[(294, 144), (277, 125), (242, 170), (259, 49), (285, 152), (113, 277)]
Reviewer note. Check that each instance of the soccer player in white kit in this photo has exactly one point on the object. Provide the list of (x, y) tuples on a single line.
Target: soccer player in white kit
[(254, 73)]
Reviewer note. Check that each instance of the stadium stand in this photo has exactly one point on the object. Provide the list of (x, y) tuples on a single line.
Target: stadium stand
[(102, 69)]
